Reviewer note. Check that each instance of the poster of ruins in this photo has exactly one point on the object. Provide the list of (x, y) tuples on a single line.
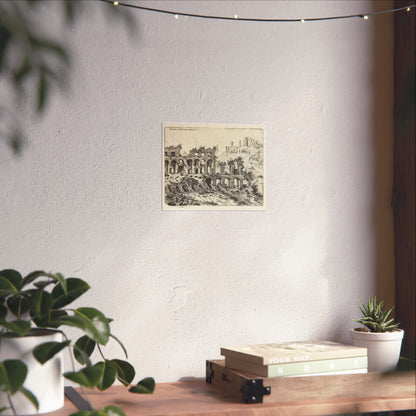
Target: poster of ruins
[(212, 166)]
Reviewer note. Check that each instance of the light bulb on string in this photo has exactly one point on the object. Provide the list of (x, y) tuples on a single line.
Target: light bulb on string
[(176, 17), (249, 19)]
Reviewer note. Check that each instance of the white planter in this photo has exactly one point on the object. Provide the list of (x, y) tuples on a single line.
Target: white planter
[(383, 348), (44, 381)]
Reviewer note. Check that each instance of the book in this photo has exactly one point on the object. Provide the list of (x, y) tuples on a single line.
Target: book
[(333, 373), (299, 368), (292, 352)]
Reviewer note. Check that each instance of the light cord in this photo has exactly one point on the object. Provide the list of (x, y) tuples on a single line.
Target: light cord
[(364, 16)]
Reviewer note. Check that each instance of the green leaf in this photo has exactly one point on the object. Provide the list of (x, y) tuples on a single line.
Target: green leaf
[(110, 411), (108, 374), (18, 305), (30, 396), (125, 371), (54, 277), (62, 281), (145, 386), (75, 288), (75, 321), (83, 413), (43, 284), (40, 304), (98, 328), (83, 349), (88, 376), (6, 287), (3, 312), (45, 351), (18, 327), (31, 277), (105, 411), (13, 276), (12, 375), (55, 316), (92, 322)]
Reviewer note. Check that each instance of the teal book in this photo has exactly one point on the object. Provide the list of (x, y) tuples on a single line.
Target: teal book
[(338, 365)]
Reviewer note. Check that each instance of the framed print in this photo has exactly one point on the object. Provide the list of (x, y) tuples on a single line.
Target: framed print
[(213, 166)]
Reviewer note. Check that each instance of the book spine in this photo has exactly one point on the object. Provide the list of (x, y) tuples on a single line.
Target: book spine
[(333, 373), (309, 367), (313, 367)]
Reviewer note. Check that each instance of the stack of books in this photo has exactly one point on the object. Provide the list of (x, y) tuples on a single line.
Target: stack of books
[(296, 359)]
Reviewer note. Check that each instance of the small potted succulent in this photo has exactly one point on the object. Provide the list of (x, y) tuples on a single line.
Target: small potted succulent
[(34, 310), (380, 335)]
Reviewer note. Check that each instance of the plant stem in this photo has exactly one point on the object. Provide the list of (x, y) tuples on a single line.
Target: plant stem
[(73, 369), (11, 404), (101, 353)]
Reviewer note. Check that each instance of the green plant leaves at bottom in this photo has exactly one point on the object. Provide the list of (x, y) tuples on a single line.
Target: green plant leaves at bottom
[(83, 349), (108, 374), (125, 371), (12, 375), (29, 395), (45, 351), (105, 411), (88, 377), (145, 386), (17, 326)]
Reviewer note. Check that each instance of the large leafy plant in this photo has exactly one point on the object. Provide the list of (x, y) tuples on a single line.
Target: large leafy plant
[(41, 300), (375, 317)]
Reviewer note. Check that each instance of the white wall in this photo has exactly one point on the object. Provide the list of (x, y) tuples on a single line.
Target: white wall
[(85, 196)]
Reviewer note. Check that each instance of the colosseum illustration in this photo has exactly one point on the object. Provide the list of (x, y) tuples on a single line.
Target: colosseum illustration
[(202, 163), (205, 175)]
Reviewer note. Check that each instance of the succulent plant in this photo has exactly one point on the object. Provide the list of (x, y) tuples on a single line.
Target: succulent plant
[(375, 318)]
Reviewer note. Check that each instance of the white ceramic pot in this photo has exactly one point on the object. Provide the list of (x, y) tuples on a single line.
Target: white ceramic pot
[(44, 381), (383, 348)]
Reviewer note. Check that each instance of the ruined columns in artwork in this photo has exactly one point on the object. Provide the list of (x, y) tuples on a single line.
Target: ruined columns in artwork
[(202, 162)]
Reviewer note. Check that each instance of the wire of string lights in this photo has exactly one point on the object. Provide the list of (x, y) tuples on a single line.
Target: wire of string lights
[(364, 16)]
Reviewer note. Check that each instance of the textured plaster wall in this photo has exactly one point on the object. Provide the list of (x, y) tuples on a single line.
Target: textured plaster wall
[(85, 196)]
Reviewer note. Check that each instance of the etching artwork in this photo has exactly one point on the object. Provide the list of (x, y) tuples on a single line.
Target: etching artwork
[(209, 166)]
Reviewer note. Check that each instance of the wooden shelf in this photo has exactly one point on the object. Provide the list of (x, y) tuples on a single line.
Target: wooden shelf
[(296, 396)]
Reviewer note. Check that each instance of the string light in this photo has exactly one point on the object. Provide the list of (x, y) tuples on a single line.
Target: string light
[(249, 19)]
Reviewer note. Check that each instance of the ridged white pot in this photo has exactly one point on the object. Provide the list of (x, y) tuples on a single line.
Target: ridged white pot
[(44, 381), (383, 348)]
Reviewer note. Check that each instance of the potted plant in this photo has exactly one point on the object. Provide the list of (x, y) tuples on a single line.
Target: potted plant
[(380, 335), (34, 310)]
